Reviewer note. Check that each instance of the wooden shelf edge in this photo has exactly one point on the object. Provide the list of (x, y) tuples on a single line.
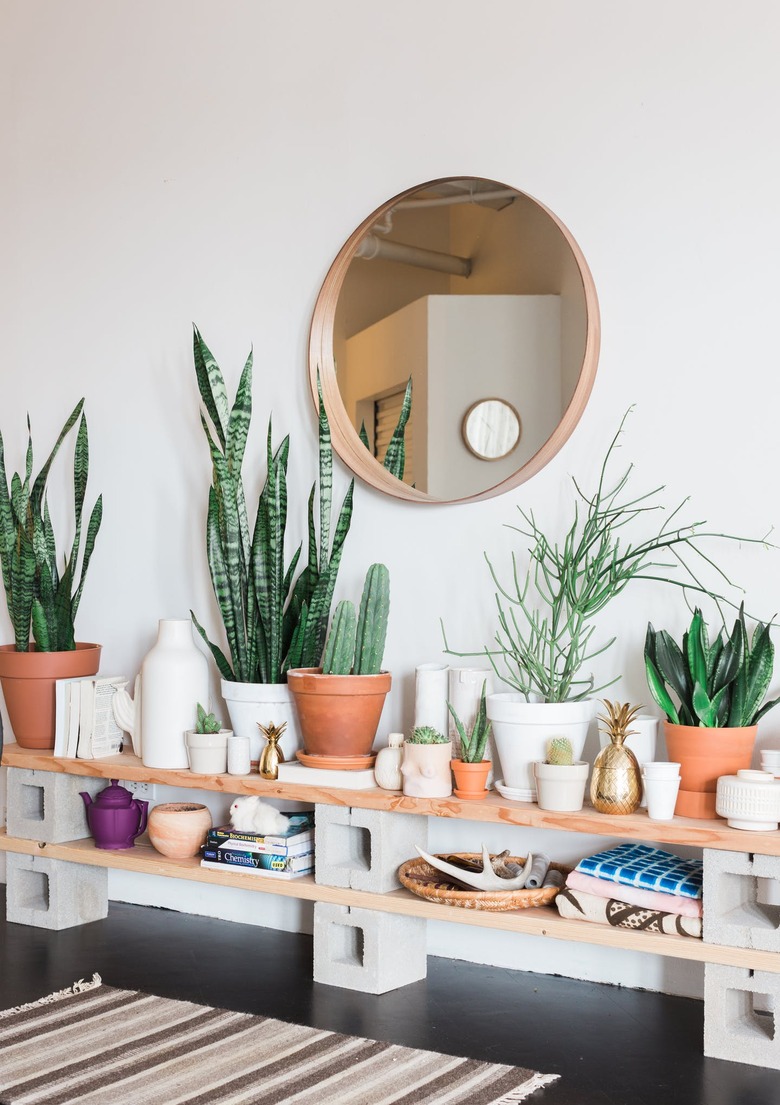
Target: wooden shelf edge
[(495, 809), (540, 921)]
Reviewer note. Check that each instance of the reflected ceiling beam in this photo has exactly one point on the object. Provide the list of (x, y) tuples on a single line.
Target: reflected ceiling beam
[(372, 248)]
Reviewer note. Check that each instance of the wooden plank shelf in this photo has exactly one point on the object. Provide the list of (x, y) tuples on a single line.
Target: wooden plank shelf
[(541, 921), (636, 826)]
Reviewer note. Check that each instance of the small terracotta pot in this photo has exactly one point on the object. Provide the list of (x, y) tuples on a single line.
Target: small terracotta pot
[(28, 680), (704, 755), (338, 714), (177, 829), (471, 779)]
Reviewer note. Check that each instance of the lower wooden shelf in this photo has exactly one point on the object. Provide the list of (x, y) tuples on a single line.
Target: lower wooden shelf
[(541, 921)]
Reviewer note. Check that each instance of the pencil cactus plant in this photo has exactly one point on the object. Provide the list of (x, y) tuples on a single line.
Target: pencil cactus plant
[(356, 643), (42, 597), (273, 621)]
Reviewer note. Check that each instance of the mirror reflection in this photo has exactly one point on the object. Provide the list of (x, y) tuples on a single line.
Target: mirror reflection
[(463, 292)]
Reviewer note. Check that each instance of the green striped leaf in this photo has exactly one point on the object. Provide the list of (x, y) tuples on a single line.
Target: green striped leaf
[(326, 479), (93, 528), (36, 495), (220, 659), (211, 386), (395, 457)]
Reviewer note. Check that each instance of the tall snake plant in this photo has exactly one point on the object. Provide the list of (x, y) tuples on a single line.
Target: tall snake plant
[(38, 594), (273, 621), (395, 457)]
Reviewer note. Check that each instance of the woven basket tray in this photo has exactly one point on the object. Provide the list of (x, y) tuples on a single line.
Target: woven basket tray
[(414, 871)]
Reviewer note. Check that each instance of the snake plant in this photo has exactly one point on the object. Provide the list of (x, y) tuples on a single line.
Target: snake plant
[(395, 457), (273, 621), (719, 684), (39, 594)]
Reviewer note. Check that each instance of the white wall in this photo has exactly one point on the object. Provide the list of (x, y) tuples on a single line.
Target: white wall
[(183, 160)]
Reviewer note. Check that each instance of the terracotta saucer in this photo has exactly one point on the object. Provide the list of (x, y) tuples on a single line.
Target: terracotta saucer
[(337, 763)]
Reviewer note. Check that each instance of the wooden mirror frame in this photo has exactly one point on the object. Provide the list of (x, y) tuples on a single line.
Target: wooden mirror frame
[(345, 438)]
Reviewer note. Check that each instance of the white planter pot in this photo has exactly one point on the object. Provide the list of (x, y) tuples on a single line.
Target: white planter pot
[(250, 704), (561, 788), (522, 730), (207, 752), (426, 770)]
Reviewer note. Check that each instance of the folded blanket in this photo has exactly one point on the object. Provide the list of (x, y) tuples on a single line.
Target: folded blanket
[(634, 895), (579, 906), (646, 867)]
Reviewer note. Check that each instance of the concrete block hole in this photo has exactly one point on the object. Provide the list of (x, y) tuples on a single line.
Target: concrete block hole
[(32, 890), (751, 1014), (32, 803), (352, 845), (347, 945)]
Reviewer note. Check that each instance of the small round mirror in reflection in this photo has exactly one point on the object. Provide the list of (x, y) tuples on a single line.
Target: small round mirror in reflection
[(458, 326)]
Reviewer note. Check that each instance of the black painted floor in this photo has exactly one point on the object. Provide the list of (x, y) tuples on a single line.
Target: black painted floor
[(611, 1046)]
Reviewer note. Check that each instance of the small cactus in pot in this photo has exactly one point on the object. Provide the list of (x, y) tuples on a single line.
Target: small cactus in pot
[(339, 705), (426, 764), (560, 780)]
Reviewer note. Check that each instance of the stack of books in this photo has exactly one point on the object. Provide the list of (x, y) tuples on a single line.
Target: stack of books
[(85, 724), (285, 855)]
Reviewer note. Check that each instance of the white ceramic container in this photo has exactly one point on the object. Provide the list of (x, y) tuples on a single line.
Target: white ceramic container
[(250, 704), (426, 770), (239, 760), (661, 797), (660, 770), (387, 769), (749, 800), (561, 787), (523, 729), (430, 696), (207, 752)]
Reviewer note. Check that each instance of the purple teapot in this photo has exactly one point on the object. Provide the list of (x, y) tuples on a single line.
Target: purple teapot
[(115, 818)]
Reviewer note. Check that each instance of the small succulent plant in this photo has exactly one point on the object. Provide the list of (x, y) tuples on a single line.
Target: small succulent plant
[(560, 752), (426, 734), (207, 723), (472, 746)]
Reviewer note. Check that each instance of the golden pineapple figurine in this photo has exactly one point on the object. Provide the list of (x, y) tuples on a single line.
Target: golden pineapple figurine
[(272, 755), (616, 783)]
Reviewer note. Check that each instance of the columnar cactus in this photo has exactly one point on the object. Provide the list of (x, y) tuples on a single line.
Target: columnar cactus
[(559, 752), (372, 622), (340, 645)]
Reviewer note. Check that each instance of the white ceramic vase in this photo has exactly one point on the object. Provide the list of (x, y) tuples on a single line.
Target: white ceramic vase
[(522, 730), (253, 704), (430, 696), (387, 769), (174, 678)]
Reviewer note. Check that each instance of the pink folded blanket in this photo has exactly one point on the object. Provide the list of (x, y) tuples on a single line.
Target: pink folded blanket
[(577, 905), (635, 895)]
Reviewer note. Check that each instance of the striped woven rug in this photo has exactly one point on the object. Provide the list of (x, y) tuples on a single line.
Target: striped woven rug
[(96, 1045)]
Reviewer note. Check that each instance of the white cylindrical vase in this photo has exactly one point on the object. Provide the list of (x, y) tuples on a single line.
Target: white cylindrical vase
[(174, 679), (430, 696)]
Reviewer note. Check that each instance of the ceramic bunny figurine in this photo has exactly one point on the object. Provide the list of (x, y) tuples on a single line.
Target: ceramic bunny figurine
[(251, 814)]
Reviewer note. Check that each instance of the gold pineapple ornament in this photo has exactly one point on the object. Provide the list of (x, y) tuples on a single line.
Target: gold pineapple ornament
[(272, 755), (616, 783)]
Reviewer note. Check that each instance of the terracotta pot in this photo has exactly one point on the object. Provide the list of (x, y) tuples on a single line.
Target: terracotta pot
[(471, 779), (338, 714), (28, 680), (177, 829), (704, 755)]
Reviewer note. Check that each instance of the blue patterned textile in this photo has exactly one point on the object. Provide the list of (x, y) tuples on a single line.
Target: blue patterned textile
[(650, 868)]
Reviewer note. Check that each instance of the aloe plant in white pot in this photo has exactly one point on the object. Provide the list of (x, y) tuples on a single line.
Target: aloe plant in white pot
[(547, 613), (273, 620)]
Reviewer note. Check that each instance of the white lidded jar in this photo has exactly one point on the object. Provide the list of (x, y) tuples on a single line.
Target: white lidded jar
[(174, 678)]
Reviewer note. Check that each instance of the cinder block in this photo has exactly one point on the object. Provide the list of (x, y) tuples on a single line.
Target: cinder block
[(739, 893), (739, 1015), (363, 849), (366, 950), (46, 806), (54, 894)]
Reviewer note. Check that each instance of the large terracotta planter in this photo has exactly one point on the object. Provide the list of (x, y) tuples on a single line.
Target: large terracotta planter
[(338, 714), (28, 680), (704, 755), (471, 779)]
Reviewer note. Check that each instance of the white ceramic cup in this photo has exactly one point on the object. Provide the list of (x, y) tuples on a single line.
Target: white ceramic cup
[(770, 760), (206, 752), (661, 797), (660, 770), (239, 761)]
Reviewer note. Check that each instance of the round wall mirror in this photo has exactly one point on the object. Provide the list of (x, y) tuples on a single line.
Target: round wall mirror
[(456, 337)]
